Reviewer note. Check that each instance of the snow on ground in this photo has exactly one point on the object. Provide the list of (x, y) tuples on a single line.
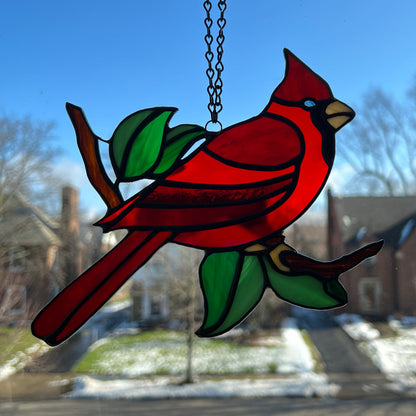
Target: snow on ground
[(115, 306), (395, 356), (356, 328), (303, 385), (298, 358), (21, 359), (295, 362)]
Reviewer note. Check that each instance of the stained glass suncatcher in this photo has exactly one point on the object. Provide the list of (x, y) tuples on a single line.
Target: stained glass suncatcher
[(232, 197)]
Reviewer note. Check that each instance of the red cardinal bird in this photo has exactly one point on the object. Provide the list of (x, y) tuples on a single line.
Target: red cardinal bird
[(239, 189)]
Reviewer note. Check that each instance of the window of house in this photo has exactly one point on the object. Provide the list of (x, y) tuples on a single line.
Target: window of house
[(369, 293), (155, 307)]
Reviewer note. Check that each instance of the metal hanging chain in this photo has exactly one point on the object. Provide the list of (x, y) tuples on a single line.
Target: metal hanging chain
[(214, 87)]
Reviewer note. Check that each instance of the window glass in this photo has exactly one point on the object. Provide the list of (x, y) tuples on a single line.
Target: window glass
[(146, 59)]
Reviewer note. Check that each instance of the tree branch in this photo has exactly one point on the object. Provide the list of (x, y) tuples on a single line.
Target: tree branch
[(88, 146)]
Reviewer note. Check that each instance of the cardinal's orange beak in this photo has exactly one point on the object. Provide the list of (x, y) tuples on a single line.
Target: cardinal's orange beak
[(338, 114)]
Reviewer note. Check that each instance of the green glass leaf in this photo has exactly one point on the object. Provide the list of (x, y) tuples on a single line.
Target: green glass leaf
[(177, 132), (146, 147), (306, 290), (336, 290), (217, 274), (136, 143), (123, 134), (232, 284), (250, 289), (178, 141)]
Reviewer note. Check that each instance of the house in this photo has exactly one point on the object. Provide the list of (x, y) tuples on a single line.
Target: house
[(149, 292), (165, 290), (39, 255), (384, 284)]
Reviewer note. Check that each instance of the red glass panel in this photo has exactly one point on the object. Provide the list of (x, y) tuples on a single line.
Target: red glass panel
[(199, 218), (301, 82), (255, 143), (205, 169), (192, 197)]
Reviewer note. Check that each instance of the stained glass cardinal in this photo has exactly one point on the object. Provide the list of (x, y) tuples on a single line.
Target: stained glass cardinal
[(232, 197)]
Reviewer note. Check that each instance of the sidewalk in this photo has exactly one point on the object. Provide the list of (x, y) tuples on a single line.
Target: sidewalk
[(33, 387), (365, 386), (36, 387)]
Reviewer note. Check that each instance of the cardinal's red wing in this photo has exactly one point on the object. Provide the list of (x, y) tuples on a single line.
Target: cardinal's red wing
[(185, 205)]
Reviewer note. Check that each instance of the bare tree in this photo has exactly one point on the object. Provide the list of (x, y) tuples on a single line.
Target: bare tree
[(26, 152), (180, 266), (381, 146)]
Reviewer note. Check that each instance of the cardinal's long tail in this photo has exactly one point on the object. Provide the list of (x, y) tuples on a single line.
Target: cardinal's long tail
[(72, 307)]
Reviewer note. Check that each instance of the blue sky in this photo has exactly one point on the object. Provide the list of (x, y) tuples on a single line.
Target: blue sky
[(114, 58)]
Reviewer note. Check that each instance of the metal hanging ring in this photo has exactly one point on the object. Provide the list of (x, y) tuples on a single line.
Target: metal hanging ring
[(213, 122), (214, 88)]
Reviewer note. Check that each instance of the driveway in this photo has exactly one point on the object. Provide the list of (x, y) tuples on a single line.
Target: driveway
[(344, 363)]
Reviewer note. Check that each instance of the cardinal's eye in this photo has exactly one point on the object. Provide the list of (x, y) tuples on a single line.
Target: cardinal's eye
[(309, 103)]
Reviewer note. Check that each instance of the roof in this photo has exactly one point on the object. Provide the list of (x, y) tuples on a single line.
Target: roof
[(24, 224), (398, 234), (377, 216)]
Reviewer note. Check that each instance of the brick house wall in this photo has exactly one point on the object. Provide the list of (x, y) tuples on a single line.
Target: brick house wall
[(385, 284), (405, 258), (375, 274)]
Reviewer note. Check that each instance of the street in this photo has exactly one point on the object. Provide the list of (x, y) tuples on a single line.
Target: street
[(220, 407)]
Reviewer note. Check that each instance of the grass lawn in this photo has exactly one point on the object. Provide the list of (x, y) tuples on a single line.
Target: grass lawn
[(164, 353), (14, 341), (17, 345)]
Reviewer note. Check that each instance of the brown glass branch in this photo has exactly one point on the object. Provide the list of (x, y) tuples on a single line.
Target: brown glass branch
[(331, 269), (88, 146)]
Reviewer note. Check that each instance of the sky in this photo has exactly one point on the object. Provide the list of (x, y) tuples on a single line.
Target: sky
[(114, 58)]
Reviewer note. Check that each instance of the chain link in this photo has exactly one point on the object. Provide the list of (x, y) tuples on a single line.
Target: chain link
[(214, 88)]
